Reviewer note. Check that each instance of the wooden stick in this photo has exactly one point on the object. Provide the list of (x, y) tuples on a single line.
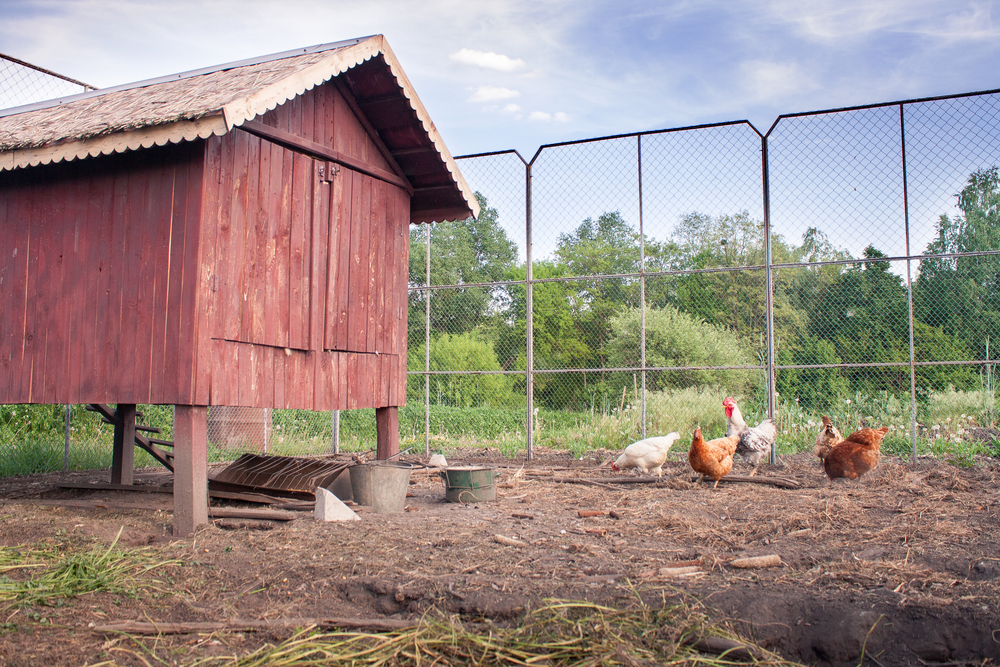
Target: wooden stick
[(508, 541), (237, 513), (733, 650), (238, 624), (781, 482), (771, 560)]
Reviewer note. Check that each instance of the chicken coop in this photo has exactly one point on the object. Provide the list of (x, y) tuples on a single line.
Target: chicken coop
[(230, 236)]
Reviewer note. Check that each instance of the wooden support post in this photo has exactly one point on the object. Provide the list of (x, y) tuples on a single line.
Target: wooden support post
[(123, 453), (190, 468), (387, 430)]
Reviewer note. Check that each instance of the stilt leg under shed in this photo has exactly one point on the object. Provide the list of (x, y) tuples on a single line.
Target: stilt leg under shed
[(123, 452), (190, 468), (387, 432)]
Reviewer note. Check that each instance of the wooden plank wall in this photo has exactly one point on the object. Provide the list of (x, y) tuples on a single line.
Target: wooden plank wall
[(97, 274), (306, 268)]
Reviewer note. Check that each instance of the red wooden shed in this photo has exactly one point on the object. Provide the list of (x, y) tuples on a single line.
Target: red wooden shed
[(232, 236)]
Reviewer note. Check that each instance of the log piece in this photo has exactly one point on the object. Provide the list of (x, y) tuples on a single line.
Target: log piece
[(242, 625)]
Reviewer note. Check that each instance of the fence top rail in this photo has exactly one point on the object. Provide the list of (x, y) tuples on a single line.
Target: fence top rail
[(686, 128), (493, 154), (878, 105)]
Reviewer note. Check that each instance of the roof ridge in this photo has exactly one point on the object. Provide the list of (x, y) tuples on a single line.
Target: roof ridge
[(47, 104)]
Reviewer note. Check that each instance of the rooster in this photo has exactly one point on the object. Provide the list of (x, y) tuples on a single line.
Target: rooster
[(856, 455), (828, 438), (754, 442), (713, 458), (646, 456)]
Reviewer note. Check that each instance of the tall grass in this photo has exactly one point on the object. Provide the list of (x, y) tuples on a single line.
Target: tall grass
[(32, 437)]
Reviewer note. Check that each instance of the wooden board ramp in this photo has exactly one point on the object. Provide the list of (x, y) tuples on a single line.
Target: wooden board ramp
[(281, 476)]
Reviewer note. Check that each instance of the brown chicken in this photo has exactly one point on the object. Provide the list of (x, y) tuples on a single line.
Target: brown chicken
[(856, 455), (713, 458), (828, 438)]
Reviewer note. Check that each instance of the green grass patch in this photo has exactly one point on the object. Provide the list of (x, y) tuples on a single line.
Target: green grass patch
[(53, 573)]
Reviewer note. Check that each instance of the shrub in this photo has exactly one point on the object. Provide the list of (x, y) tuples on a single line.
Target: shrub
[(674, 338), (461, 352)]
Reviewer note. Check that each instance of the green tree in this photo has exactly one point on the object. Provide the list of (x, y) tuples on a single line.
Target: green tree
[(559, 342), (813, 388), (461, 352), (961, 295), (736, 300), (674, 338), (467, 253), (864, 314)]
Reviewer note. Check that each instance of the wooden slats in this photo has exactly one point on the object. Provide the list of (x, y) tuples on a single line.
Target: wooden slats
[(227, 271)]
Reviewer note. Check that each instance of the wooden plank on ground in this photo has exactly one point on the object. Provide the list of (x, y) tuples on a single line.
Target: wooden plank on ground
[(249, 625)]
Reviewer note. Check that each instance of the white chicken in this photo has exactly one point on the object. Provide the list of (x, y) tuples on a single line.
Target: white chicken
[(755, 442), (646, 456)]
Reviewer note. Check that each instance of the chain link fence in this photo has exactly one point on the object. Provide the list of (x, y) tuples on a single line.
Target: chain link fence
[(23, 83), (845, 263)]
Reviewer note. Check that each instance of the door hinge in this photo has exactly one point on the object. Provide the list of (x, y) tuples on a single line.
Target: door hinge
[(327, 171)]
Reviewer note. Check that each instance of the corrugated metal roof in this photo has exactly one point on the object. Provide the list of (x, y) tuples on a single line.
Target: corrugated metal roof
[(199, 103)]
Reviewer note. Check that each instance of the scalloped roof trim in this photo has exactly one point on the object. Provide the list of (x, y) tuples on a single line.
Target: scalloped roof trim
[(208, 117)]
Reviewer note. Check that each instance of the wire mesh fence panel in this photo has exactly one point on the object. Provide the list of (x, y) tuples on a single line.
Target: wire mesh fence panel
[(586, 196), (22, 84), (699, 186), (840, 174), (500, 184), (947, 142)]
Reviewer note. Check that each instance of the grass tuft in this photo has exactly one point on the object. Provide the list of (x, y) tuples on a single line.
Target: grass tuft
[(65, 576)]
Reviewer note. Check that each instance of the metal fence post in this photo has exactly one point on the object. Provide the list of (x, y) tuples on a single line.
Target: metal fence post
[(335, 427), (642, 289), (769, 272), (909, 288), (529, 318), (427, 350)]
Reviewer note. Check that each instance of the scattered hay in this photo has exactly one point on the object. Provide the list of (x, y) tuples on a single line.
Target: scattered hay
[(558, 633)]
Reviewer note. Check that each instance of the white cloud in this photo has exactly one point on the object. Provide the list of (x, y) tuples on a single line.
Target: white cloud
[(493, 94), (510, 108), (766, 80), (832, 21), (488, 60), (546, 117)]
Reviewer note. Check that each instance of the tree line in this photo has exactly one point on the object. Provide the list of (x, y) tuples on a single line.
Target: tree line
[(850, 312)]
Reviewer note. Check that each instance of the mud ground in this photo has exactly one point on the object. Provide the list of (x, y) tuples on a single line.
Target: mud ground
[(904, 566)]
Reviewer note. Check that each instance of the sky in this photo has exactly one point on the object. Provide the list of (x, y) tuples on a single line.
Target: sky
[(519, 74)]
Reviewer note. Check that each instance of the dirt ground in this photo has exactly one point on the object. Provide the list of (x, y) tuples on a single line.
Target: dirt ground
[(906, 564)]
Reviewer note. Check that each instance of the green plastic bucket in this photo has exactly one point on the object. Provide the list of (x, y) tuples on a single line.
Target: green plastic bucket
[(468, 484), (381, 485)]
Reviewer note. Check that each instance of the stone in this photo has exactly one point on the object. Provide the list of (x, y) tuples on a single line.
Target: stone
[(329, 507), (438, 461)]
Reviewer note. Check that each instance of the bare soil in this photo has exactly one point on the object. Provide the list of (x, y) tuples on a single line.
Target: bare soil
[(904, 566)]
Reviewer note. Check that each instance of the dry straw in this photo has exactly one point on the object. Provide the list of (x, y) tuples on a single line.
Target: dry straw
[(558, 633)]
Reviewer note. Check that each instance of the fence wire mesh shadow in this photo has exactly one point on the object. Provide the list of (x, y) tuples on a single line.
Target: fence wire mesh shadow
[(845, 263)]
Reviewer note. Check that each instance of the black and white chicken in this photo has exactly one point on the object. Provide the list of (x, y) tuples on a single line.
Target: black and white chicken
[(755, 441)]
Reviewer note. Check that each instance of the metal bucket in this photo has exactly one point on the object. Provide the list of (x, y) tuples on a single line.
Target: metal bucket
[(467, 484), (381, 484)]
